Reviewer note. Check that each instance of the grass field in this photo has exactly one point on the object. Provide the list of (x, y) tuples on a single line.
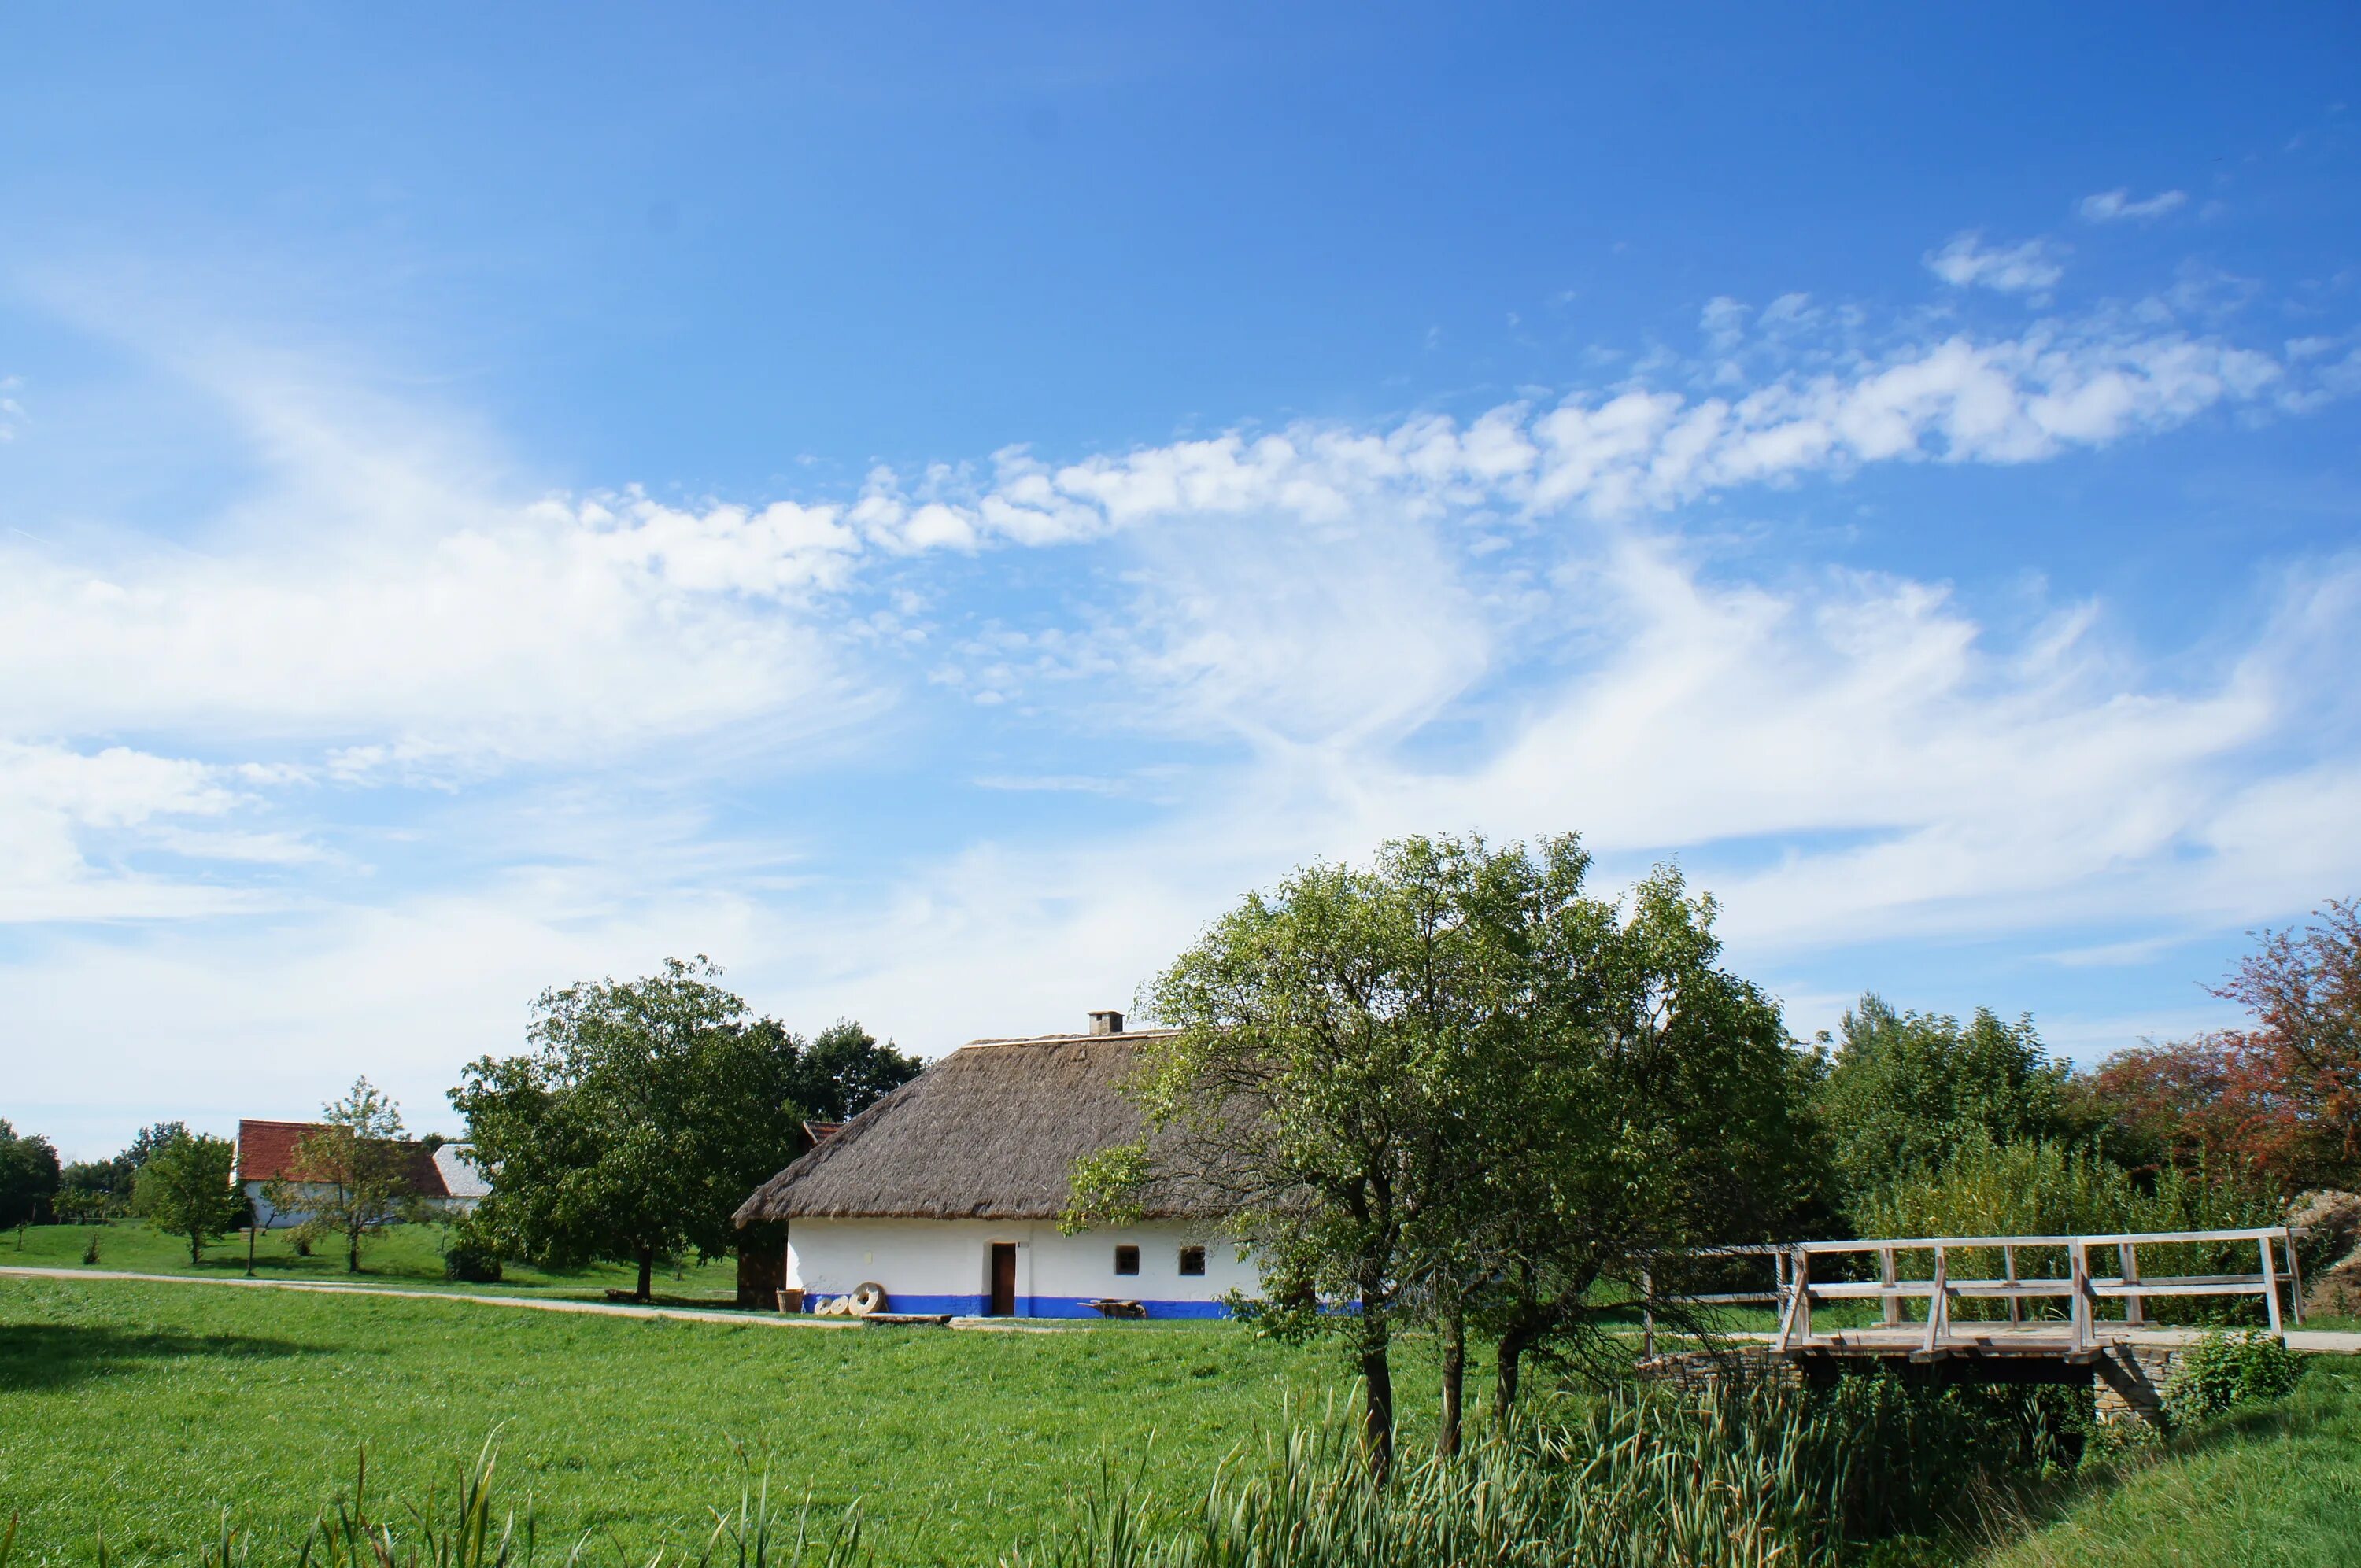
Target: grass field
[(408, 1255), (2271, 1488), (150, 1408)]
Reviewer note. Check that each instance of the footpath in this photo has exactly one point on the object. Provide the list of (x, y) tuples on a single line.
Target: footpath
[(609, 1309), (2315, 1342), (531, 1303)]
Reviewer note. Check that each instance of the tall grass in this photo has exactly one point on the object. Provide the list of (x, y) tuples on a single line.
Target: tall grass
[(464, 1530), (1766, 1478)]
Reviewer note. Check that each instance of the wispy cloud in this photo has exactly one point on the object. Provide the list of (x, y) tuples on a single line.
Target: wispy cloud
[(1967, 262), (2116, 205), (1323, 632)]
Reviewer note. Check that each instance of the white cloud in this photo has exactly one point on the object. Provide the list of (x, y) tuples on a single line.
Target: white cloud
[(1967, 262), (1326, 632), (55, 802), (2116, 205)]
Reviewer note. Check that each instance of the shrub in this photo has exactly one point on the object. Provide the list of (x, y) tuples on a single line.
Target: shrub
[(2226, 1370), (90, 1251), (470, 1260), (1988, 1189)]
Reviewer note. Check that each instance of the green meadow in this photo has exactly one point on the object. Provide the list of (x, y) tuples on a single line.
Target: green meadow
[(408, 1257), (148, 1410)]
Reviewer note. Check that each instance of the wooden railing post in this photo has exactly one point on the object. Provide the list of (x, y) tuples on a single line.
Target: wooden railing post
[(2295, 1279), (1886, 1274), (2128, 1255), (1799, 1303), (2271, 1286), (1647, 1315), (1938, 1307), (2015, 1303), (2078, 1269)]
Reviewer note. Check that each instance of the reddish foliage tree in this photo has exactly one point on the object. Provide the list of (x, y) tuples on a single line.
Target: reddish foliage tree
[(2181, 1104), (2298, 1066)]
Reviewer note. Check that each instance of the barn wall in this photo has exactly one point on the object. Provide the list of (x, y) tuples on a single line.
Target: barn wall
[(942, 1265), (268, 1217)]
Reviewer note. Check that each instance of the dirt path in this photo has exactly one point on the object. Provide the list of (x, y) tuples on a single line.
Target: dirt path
[(615, 1309)]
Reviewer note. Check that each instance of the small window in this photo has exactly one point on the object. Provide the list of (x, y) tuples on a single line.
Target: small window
[(1192, 1260), (1127, 1260)]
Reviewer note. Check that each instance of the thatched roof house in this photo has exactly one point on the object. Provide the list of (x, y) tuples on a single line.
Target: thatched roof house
[(991, 1132), (943, 1197)]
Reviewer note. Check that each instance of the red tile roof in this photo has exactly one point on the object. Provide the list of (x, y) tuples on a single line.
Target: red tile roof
[(266, 1151)]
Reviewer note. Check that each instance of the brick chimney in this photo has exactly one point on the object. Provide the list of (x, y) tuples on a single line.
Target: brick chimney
[(1107, 1021)]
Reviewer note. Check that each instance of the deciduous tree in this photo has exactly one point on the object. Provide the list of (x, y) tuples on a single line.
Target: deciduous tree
[(648, 1112), (1455, 1083), (2299, 1063), (183, 1189), (1904, 1086), (352, 1177), (28, 1178)]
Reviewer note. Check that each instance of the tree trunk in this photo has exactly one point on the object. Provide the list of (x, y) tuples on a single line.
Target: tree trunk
[(647, 1273), (1454, 1378), (1377, 1420), (196, 1248), (352, 1252), (1377, 1375), (1513, 1345)]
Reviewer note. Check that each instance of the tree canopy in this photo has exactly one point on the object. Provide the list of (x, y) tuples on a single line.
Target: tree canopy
[(101, 1189), (1904, 1087), (1453, 1083), (353, 1176), (183, 1189), (28, 1178), (648, 1110)]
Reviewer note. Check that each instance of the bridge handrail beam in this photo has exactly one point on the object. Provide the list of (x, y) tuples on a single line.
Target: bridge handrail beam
[(1929, 1244)]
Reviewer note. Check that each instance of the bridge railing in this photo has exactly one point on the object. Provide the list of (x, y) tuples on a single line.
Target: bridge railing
[(1795, 1291)]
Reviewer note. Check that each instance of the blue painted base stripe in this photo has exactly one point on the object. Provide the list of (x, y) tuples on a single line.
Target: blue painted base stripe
[(1028, 1306)]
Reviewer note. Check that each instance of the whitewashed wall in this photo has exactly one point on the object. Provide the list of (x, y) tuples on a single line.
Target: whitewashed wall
[(944, 1266), (268, 1217)]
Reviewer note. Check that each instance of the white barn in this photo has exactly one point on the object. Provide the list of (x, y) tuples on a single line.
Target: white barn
[(946, 1193), (445, 1177)]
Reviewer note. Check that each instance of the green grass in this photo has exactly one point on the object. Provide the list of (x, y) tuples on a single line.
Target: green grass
[(408, 1257), (2280, 1486), (148, 1408)]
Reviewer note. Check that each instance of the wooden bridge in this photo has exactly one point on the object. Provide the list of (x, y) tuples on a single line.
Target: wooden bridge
[(2094, 1337)]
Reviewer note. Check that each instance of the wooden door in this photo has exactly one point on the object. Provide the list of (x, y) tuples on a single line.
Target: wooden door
[(1003, 1279)]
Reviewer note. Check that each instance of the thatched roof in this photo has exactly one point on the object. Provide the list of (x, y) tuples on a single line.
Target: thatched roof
[(991, 1132)]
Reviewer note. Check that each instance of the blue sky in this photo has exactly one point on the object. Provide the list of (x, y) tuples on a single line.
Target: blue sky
[(927, 506)]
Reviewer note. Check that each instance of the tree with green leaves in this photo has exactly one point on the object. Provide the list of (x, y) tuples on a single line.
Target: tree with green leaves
[(101, 1189), (1454, 1086), (844, 1070), (1311, 1077), (1904, 1087), (649, 1110), (28, 1178), (184, 1189), (353, 1176), (1633, 1102)]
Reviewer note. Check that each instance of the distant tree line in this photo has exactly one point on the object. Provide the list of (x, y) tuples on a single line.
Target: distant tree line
[(1452, 1088)]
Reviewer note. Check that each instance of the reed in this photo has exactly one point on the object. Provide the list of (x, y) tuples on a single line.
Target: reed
[(1765, 1477), (1762, 1478)]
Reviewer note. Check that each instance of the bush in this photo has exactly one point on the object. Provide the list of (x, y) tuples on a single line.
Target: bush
[(471, 1261), (2226, 1370), (1988, 1189)]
